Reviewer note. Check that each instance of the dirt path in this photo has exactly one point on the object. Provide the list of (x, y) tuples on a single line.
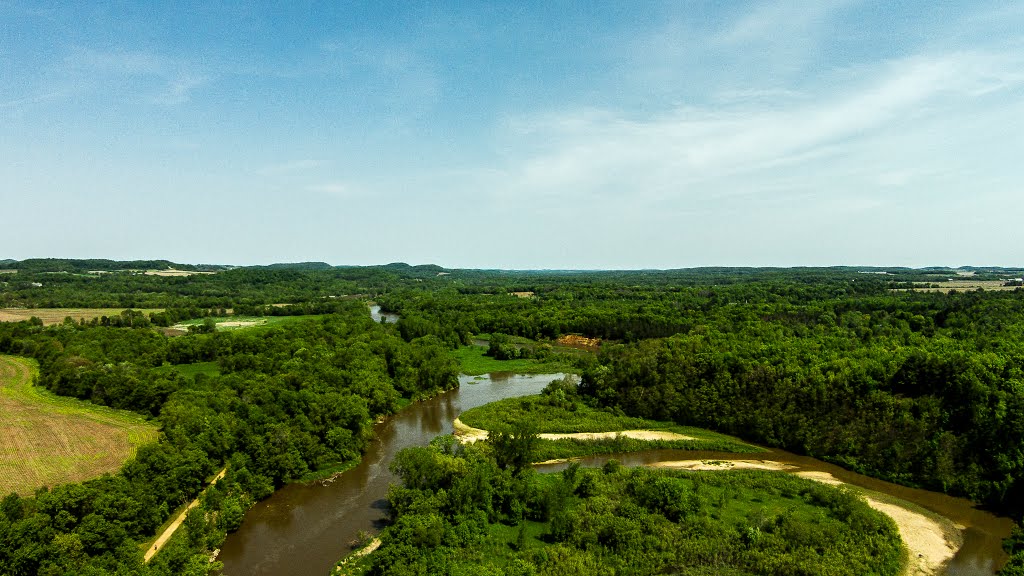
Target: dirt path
[(169, 531), (468, 434)]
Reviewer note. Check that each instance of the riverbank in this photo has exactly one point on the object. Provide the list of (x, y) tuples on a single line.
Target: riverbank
[(305, 528), (932, 540), (468, 434)]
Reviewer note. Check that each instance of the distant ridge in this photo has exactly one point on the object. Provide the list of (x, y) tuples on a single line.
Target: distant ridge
[(296, 266), (104, 265)]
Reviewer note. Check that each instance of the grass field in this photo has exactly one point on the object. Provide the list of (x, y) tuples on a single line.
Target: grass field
[(239, 322), (56, 315), (474, 362), (548, 419), (47, 439)]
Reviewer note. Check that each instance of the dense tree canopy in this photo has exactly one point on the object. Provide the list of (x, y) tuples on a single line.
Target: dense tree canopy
[(921, 388)]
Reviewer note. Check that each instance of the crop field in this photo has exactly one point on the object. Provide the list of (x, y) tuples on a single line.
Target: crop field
[(56, 315), (959, 286), (47, 439)]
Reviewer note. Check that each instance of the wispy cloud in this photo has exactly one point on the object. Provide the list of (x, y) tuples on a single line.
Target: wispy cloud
[(335, 188), (29, 100), (174, 80), (179, 89), (698, 153), (289, 167)]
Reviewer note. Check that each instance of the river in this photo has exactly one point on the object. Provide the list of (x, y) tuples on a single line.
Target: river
[(377, 315), (305, 528)]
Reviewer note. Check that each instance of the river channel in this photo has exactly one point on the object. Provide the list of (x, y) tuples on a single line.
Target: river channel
[(305, 528)]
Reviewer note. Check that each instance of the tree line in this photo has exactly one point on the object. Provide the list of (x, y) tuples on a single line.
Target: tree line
[(289, 400)]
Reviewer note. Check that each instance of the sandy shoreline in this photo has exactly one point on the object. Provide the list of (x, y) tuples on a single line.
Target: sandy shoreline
[(930, 543), (722, 465), (467, 434)]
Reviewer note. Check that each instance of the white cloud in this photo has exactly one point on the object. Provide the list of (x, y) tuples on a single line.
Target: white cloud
[(176, 80), (118, 62), (704, 152), (179, 90), (29, 100)]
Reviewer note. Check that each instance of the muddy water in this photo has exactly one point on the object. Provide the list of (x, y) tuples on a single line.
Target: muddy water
[(377, 315), (980, 555), (305, 529)]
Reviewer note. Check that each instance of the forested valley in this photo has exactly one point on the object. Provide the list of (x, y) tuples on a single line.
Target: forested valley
[(921, 388)]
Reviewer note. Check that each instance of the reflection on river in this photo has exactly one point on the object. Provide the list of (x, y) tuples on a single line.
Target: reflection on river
[(377, 315), (305, 529)]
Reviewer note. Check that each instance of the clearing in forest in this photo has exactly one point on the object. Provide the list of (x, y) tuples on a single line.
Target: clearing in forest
[(51, 316), (47, 439)]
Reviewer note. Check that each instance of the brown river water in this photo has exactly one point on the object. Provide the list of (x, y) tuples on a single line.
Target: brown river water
[(304, 529)]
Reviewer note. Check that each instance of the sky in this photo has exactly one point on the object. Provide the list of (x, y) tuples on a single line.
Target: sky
[(523, 135)]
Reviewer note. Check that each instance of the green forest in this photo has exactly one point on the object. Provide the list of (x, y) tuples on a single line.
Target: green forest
[(474, 510), (846, 365)]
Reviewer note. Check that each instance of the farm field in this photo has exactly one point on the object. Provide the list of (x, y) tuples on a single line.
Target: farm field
[(51, 316), (959, 285), (46, 439), (238, 322)]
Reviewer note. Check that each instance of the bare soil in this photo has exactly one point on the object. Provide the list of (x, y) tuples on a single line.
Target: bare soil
[(46, 441), (51, 316), (577, 341)]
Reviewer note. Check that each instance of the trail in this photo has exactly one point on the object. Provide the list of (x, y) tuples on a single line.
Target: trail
[(169, 531)]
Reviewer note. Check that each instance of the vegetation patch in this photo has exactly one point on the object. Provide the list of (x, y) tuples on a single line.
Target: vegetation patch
[(623, 521), (223, 323), (47, 439), (191, 370), (585, 430), (567, 448), (474, 361)]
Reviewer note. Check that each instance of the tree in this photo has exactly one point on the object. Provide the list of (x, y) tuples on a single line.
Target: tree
[(513, 447)]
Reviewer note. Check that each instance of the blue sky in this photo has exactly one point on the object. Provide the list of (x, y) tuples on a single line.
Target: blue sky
[(514, 135)]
